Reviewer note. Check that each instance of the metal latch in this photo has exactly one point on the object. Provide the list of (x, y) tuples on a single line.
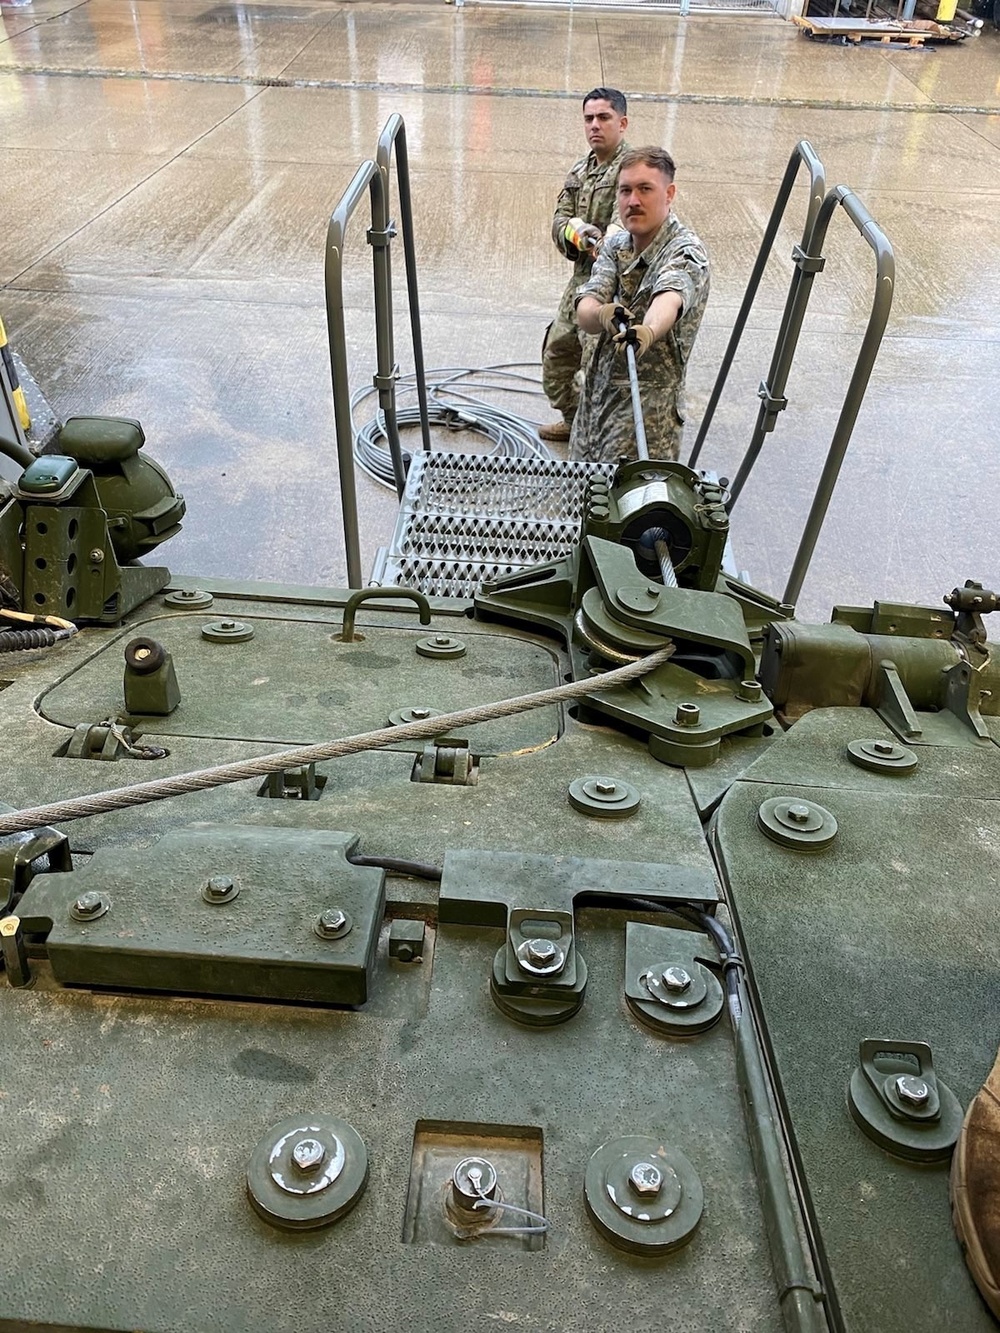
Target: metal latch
[(447, 760), (294, 784), (539, 978)]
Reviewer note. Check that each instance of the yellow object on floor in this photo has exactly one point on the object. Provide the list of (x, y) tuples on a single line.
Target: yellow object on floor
[(17, 392)]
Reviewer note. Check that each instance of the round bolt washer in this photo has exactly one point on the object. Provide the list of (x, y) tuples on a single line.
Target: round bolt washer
[(333, 924), (89, 906), (227, 631), (882, 756), (189, 599), (298, 1197), (678, 1013), (604, 797), (641, 600), (219, 889), (798, 824), (399, 717), (441, 645), (915, 1138), (651, 1224)]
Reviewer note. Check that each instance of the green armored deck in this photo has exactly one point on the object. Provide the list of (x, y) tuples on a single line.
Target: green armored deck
[(451, 1032)]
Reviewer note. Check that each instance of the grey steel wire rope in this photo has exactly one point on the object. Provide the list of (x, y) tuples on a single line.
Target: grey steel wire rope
[(143, 793)]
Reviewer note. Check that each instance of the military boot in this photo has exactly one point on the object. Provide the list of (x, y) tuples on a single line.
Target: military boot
[(557, 433), (975, 1189)]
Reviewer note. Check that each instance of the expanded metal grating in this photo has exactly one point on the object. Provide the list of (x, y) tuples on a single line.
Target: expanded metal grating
[(468, 518)]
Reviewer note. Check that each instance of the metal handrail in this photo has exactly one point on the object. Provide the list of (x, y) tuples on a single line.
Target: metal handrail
[(393, 136), (802, 154), (367, 176), (885, 277), (373, 174)]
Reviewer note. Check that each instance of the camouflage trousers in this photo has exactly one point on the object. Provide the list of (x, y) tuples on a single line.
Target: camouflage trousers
[(565, 351), (604, 425)]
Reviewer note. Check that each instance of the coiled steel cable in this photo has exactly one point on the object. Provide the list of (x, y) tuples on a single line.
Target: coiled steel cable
[(452, 406)]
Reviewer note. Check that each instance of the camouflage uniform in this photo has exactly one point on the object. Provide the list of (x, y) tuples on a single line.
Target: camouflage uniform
[(674, 261), (590, 192)]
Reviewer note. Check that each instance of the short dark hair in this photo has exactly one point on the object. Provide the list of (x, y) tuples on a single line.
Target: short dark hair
[(611, 95), (650, 156)]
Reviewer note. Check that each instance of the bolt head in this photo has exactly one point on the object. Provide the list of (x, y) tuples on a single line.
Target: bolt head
[(308, 1154), (87, 904), (218, 886), (677, 979), (227, 624), (97, 556), (541, 956), (419, 713), (605, 786), (541, 952), (442, 640), (913, 1090), (646, 1179), (883, 747), (798, 814), (333, 919)]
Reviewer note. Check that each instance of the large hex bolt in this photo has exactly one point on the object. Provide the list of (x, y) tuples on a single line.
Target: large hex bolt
[(913, 1090), (308, 1154), (332, 924), (541, 956), (677, 979), (646, 1179)]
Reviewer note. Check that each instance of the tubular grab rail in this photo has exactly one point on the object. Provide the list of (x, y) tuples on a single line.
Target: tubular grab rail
[(372, 175), (885, 278), (393, 136), (803, 154), (367, 177)]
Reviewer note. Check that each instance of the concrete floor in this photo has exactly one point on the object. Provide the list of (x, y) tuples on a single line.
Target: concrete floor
[(169, 168)]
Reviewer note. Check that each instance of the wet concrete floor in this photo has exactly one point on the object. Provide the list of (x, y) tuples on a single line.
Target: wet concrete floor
[(169, 169)]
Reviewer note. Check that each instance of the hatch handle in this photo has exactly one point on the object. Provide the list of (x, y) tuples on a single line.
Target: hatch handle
[(372, 594)]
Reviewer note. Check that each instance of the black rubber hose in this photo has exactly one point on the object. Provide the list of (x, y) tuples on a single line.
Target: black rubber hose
[(418, 869)]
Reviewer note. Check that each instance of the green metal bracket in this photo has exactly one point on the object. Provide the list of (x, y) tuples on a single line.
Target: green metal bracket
[(897, 1101), (216, 910), (150, 681), (20, 854), (668, 985)]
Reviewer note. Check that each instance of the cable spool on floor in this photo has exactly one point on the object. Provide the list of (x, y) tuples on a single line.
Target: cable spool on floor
[(451, 407)]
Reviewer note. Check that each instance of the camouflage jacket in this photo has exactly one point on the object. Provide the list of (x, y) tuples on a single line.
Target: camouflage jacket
[(589, 192), (674, 261)]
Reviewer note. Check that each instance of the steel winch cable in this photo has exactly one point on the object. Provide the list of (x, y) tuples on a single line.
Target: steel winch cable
[(453, 404), (142, 793)]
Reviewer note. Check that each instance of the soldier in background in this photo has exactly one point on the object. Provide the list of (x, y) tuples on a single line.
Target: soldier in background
[(583, 217), (657, 269)]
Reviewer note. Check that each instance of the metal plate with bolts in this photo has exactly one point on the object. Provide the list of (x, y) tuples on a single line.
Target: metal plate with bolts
[(227, 631), (189, 599), (441, 645), (882, 756), (643, 1195), (307, 1172), (604, 797), (793, 822), (912, 1115)]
